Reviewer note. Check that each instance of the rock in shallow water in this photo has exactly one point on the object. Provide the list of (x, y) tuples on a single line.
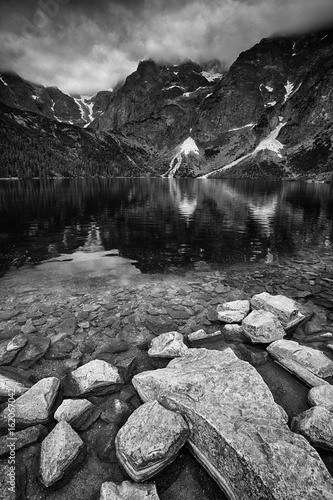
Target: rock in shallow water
[(150, 440), (61, 452), (321, 396), (35, 405), (96, 377), (128, 491), (262, 327), (238, 432), (316, 424), (168, 345)]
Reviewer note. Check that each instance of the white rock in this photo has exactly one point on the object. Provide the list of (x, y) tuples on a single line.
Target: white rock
[(61, 451), (198, 335), (168, 345), (79, 413), (233, 312), (284, 308), (262, 327), (34, 406), (95, 377), (313, 360), (150, 440), (128, 491), (316, 425), (237, 431), (321, 396)]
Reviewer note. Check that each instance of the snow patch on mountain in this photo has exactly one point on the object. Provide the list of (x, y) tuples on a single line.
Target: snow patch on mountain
[(173, 87), (272, 103), (211, 77), (3, 81), (81, 108), (289, 88), (267, 87), (187, 147), (240, 128)]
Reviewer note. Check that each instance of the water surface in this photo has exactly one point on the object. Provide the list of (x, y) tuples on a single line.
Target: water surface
[(163, 223)]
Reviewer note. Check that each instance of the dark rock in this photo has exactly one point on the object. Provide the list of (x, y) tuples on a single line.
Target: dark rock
[(105, 443), (116, 411), (8, 350), (255, 357), (67, 327), (32, 352), (127, 367), (21, 439), (60, 349), (13, 481), (160, 324), (113, 346)]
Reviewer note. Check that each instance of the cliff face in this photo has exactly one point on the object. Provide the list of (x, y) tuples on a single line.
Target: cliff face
[(269, 116)]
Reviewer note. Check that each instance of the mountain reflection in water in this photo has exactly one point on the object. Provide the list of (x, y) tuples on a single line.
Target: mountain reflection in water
[(163, 222)]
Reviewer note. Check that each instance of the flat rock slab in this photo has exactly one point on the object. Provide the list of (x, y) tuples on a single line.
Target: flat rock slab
[(150, 440), (321, 396), (35, 349), (316, 425), (233, 312), (21, 439), (128, 491), (238, 432), (9, 349), (79, 413), (262, 327), (284, 308), (61, 452), (96, 377), (34, 406), (200, 338), (168, 345), (313, 360)]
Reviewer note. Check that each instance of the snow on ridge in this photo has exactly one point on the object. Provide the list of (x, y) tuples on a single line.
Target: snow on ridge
[(211, 77), (3, 81), (173, 86), (187, 94), (293, 50), (189, 146), (244, 126), (267, 87), (272, 103), (289, 88)]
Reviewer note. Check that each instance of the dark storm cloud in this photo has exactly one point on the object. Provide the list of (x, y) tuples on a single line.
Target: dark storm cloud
[(86, 45)]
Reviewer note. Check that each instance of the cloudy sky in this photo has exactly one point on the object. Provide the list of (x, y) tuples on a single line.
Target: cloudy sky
[(83, 46)]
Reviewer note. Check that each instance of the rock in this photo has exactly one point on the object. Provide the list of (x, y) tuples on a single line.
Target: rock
[(234, 333), (262, 327), (32, 352), (254, 356), (160, 324), (198, 335), (105, 443), (237, 430), (61, 452), (313, 360), (35, 405), (116, 411), (8, 350), (167, 345), (284, 308), (28, 327), (128, 490), (96, 377), (233, 312), (150, 440), (79, 413), (127, 367), (316, 425), (10, 385), (60, 349), (66, 327), (201, 338), (113, 346), (21, 439), (321, 395)]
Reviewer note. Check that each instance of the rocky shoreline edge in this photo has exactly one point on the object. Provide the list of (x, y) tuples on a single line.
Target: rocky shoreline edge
[(100, 409)]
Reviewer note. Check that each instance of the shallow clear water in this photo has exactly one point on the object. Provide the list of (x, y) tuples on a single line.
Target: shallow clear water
[(163, 222)]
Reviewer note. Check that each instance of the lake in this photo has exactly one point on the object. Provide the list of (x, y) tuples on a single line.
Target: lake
[(163, 224)]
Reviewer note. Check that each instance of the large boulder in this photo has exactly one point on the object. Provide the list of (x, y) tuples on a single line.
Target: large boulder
[(238, 432), (167, 345), (321, 395), (61, 452), (150, 440), (128, 490), (284, 308), (233, 312), (96, 377), (316, 424), (262, 327), (34, 406), (315, 361)]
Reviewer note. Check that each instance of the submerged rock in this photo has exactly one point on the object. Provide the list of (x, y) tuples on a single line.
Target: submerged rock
[(316, 424), (150, 440), (128, 491), (237, 430), (321, 395), (262, 327), (96, 377), (234, 333), (35, 405), (168, 345), (313, 360), (61, 452), (79, 413)]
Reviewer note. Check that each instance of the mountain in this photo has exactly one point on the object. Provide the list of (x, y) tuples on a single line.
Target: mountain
[(269, 116)]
